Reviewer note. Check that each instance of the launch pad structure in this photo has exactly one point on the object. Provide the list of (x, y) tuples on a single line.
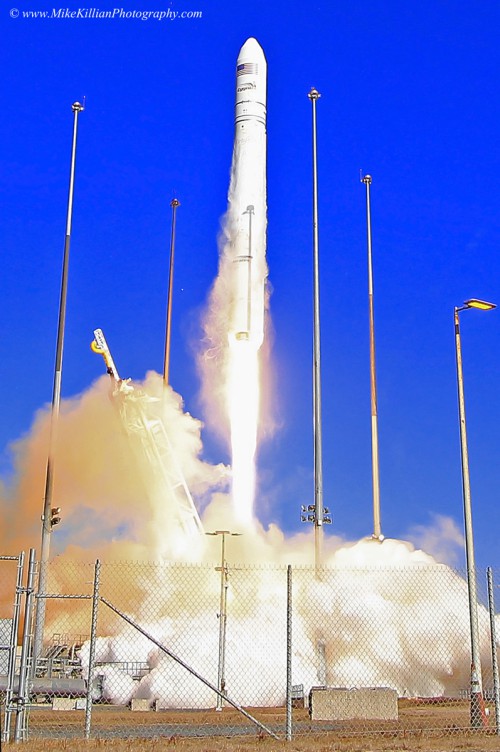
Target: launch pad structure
[(149, 437)]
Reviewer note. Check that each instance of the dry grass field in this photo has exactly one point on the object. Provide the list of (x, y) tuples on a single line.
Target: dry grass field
[(332, 742), (425, 728)]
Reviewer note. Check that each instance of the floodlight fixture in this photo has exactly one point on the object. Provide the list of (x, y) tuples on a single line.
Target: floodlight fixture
[(482, 305)]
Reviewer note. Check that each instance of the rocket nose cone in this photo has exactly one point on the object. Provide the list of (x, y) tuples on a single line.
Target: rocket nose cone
[(251, 50)]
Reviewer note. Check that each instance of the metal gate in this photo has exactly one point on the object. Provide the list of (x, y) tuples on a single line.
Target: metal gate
[(13, 666)]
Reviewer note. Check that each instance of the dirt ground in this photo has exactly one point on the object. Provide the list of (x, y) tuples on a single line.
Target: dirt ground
[(421, 727), (314, 743)]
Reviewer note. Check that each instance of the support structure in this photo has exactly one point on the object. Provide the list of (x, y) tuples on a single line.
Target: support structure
[(146, 429), (224, 574), (168, 328), (494, 656), (11, 669), (21, 730)]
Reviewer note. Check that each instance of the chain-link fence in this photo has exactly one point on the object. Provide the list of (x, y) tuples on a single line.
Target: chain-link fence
[(139, 650), (11, 592)]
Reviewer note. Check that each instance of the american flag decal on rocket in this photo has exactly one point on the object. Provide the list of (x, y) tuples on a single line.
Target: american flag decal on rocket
[(245, 69)]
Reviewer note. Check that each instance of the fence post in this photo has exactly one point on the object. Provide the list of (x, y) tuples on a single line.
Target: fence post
[(93, 631), (494, 661), (23, 689), (289, 654), (11, 671)]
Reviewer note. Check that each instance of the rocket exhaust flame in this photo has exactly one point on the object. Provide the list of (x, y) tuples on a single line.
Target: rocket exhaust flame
[(243, 396)]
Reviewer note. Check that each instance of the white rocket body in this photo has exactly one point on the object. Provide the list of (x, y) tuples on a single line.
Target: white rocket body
[(247, 197)]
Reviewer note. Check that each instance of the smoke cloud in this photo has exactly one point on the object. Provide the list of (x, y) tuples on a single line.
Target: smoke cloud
[(442, 538), (112, 505), (373, 619)]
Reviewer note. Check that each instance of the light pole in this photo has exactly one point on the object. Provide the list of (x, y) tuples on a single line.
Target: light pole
[(223, 569), (477, 705), (50, 516)]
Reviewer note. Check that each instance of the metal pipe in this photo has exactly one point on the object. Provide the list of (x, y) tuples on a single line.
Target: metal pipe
[(166, 360), (314, 95), (50, 686), (289, 653), (187, 667), (469, 536), (93, 636), (11, 669), (222, 625), (47, 521), (494, 658), (221, 666), (23, 691), (377, 531)]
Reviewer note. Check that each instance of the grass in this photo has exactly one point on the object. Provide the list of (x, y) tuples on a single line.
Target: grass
[(421, 728), (458, 742)]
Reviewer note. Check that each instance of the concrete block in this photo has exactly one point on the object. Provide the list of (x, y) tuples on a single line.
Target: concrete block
[(140, 705), (63, 703), (363, 703)]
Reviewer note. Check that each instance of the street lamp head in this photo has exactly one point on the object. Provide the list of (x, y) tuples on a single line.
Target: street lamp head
[(482, 305)]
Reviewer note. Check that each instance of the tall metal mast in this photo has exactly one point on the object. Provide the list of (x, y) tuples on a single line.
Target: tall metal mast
[(377, 531), (166, 361), (50, 515), (314, 95)]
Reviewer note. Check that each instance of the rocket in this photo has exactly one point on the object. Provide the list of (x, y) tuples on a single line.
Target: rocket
[(247, 198), (251, 85)]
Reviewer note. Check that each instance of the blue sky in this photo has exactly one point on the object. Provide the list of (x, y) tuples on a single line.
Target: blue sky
[(409, 94)]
